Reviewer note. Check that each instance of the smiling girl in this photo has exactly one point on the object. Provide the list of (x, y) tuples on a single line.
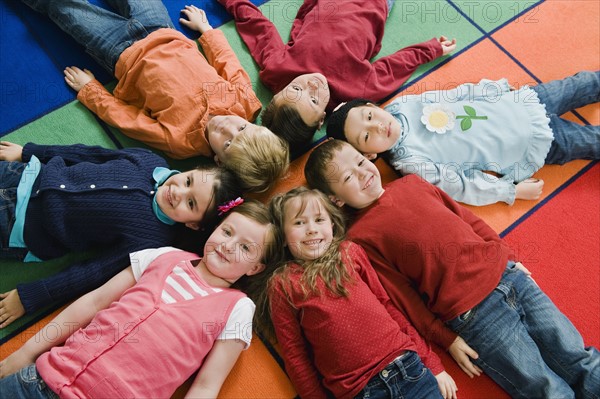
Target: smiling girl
[(165, 292), (60, 199), (317, 307)]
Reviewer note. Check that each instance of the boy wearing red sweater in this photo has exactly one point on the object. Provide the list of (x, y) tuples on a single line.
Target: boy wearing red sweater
[(326, 61), (457, 281)]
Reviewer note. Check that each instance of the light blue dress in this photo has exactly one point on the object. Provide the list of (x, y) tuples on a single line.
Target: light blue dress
[(495, 129)]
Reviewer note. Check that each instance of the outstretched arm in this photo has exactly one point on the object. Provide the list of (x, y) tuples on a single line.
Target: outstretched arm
[(164, 134), (75, 280), (390, 72), (256, 30), (471, 186), (216, 368), (75, 316)]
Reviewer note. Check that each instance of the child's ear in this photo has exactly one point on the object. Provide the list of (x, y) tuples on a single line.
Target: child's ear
[(336, 201), (321, 121), (217, 160), (259, 267), (370, 156), (193, 225)]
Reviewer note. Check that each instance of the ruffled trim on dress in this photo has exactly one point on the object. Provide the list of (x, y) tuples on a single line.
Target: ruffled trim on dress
[(541, 134)]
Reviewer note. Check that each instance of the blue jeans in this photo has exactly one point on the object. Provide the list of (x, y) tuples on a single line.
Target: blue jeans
[(571, 140), (527, 345), (104, 34), (10, 175), (26, 384), (406, 377)]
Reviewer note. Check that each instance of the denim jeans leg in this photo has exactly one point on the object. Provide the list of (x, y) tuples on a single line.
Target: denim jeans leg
[(576, 91), (10, 175), (561, 345), (152, 14), (571, 140), (390, 4), (104, 34), (495, 329), (26, 384)]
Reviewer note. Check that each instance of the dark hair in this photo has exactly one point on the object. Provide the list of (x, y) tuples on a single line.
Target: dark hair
[(318, 162), (285, 121), (337, 119), (226, 187)]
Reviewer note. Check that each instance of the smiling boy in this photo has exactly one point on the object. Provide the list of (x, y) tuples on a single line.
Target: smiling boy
[(456, 280)]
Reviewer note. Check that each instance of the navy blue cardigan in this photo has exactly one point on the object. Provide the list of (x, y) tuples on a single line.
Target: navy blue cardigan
[(89, 198)]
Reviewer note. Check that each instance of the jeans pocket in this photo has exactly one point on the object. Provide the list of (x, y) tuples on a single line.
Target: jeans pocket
[(29, 374), (414, 371)]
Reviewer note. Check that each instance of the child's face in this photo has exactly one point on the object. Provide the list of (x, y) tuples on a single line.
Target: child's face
[(309, 231), (223, 130), (235, 248), (309, 95), (353, 179), (371, 130), (185, 197)]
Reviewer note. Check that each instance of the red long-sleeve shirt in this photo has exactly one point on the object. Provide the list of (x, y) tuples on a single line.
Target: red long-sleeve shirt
[(337, 344), (335, 38), (435, 258)]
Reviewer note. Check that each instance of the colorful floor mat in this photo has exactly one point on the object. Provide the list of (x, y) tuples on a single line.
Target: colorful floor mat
[(525, 41)]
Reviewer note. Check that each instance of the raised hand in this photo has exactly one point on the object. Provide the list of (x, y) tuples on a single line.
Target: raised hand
[(77, 78), (196, 19)]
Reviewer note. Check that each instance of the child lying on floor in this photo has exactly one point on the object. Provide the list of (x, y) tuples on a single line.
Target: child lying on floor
[(457, 281), (330, 48), (148, 329), (168, 94), (452, 137), (60, 199)]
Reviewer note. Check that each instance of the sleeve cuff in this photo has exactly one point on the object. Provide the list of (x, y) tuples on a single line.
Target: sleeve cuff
[(33, 295)]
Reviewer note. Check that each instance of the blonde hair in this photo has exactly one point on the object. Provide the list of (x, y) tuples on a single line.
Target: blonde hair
[(328, 267), (258, 158)]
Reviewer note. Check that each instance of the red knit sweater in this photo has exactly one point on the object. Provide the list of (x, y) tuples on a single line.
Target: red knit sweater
[(434, 257), (337, 344), (336, 38)]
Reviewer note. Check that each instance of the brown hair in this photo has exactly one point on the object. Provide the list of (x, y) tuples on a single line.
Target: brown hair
[(318, 163), (285, 121), (258, 158)]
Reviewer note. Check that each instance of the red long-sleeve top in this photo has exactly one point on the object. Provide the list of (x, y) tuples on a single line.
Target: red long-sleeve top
[(335, 345), (335, 38), (434, 257)]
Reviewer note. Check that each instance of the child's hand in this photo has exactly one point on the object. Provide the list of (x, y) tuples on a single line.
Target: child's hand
[(196, 19), (15, 362), (447, 385), (77, 78), (462, 354), (448, 46), (529, 189), (11, 308), (11, 152)]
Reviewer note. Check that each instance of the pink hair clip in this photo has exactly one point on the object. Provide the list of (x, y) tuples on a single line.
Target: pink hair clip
[(230, 205)]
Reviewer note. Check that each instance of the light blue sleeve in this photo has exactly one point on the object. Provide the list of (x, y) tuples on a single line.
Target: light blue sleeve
[(471, 186), (490, 90)]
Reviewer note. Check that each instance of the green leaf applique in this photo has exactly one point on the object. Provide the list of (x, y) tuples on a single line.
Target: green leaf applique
[(467, 120)]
